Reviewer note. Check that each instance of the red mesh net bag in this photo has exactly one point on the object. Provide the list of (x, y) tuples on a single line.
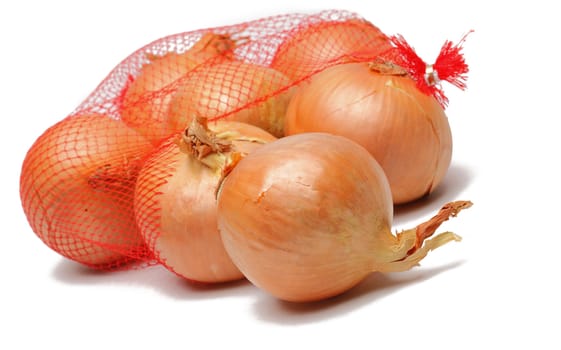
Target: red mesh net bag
[(96, 186)]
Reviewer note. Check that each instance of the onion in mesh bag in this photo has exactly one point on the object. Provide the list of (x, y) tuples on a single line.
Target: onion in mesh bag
[(76, 188)]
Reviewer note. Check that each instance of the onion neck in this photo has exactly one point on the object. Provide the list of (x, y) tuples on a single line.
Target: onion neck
[(214, 44), (411, 246), (214, 151), (384, 67), (209, 46)]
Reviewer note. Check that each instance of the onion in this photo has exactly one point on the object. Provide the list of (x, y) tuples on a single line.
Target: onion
[(380, 107), (175, 200), (76, 186), (314, 47), (145, 101), (309, 216), (236, 91)]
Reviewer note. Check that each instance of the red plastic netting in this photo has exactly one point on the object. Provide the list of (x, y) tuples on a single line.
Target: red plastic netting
[(79, 185)]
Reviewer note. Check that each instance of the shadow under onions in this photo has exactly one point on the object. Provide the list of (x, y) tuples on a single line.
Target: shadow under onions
[(154, 277), (375, 287), (457, 179)]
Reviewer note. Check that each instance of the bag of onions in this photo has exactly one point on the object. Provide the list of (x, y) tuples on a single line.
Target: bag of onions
[(216, 153), (78, 180)]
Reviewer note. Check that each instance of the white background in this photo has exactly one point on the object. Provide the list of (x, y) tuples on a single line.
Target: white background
[(498, 288)]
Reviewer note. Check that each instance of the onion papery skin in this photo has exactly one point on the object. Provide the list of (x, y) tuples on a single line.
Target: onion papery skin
[(318, 45), (406, 131), (76, 185), (233, 91), (306, 217), (175, 205)]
